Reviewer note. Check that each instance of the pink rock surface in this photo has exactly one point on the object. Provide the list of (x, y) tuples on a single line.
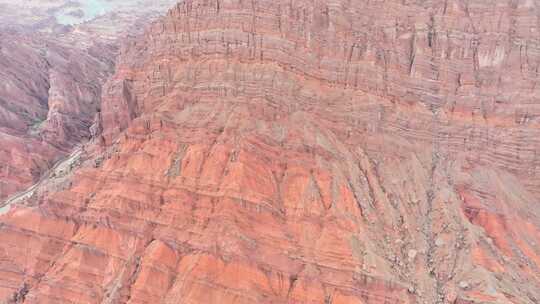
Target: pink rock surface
[(50, 95), (300, 152)]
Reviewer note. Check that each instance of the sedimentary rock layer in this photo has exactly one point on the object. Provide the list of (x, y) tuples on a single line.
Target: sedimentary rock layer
[(52, 77), (299, 152), (50, 95)]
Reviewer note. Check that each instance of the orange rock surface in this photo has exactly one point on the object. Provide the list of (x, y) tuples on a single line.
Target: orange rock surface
[(299, 152)]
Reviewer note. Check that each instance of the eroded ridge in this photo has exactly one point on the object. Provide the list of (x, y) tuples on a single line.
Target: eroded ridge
[(300, 152)]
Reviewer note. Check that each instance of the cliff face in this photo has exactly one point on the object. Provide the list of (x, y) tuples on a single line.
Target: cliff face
[(299, 152), (50, 94), (51, 77)]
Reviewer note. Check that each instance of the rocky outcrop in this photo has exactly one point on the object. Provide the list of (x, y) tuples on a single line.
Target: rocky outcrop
[(299, 152), (52, 78), (50, 95)]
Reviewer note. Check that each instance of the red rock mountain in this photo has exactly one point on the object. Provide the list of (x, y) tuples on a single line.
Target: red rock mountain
[(49, 97), (299, 152), (52, 76)]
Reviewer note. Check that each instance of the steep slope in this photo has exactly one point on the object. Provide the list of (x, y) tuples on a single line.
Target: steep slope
[(50, 94), (299, 152), (52, 77)]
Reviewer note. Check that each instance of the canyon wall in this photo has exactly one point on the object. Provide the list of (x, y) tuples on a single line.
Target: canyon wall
[(50, 95), (299, 152), (52, 76)]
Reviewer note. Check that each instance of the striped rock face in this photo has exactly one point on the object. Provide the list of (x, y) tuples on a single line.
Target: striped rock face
[(299, 152), (48, 99), (51, 78)]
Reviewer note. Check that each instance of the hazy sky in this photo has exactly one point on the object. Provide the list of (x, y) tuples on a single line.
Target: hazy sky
[(41, 13)]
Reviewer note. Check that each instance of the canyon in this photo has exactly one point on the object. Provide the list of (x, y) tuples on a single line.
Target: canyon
[(274, 152), (52, 75)]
